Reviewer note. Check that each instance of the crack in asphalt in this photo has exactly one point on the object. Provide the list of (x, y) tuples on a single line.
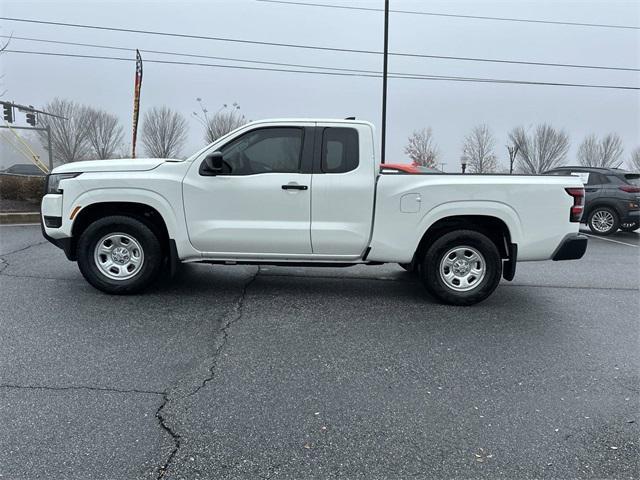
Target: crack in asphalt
[(236, 314), (24, 248), (3, 261), (80, 387), (174, 436)]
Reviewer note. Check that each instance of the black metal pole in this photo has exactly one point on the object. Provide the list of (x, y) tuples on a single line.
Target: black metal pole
[(384, 81)]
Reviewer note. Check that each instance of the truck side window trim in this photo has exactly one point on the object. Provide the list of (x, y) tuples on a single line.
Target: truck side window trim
[(340, 150), (303, 155)]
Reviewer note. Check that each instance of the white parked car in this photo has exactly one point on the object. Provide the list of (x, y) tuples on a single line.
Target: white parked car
[(310, 192)]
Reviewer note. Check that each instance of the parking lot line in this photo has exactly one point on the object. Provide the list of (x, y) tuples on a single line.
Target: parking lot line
[(609, 240)]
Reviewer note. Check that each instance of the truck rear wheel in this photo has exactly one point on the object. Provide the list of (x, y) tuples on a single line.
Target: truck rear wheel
[(462, 267), (119, 255)]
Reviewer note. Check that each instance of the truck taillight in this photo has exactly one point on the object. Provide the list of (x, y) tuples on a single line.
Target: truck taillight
[(578, 204)]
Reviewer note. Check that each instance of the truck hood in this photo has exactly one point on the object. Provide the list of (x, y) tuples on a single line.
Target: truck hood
[(116, 165)]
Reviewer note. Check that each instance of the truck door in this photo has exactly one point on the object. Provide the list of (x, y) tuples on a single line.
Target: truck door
[(343, 184), (260, 203)]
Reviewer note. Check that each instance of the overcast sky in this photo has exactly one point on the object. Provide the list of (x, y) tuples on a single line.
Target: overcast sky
[(450, 108)]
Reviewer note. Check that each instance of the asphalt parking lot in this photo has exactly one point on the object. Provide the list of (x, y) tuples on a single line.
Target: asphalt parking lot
[(235, 372)]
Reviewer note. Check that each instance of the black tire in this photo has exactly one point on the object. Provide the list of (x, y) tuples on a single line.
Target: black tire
[(597, 227), (462, 240), (630, 227), (150, 251)]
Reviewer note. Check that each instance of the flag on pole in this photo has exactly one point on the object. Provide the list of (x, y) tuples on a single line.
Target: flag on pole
[(136, 100)]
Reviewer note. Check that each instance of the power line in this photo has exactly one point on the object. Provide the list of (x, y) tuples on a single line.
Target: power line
[(397, 54), (192, 55), (516, 62), (186, 35), (347, 74), (451, 15)]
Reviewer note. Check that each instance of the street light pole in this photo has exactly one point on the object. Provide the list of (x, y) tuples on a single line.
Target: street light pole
[(385, 59)]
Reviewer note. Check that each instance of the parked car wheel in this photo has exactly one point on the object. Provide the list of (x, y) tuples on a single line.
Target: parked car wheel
[(630, 227), (119, 255), (603, 221), (462, 267)]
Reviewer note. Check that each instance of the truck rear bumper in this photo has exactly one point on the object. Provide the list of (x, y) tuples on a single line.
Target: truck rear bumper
[(571, 248)]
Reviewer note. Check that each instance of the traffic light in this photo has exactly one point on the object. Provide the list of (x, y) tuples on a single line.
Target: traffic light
[(8, 112), (31, 118)]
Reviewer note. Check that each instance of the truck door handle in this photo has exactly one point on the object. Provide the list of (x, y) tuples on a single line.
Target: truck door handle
[(294, 187)]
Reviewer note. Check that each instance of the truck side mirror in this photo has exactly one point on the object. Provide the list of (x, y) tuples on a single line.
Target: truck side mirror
[(213, 162)]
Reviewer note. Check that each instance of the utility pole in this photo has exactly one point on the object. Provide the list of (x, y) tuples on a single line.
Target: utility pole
[(385, 61), (442, 166)]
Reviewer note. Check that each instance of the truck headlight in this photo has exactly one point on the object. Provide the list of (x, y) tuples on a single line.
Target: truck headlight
[(53, 181)]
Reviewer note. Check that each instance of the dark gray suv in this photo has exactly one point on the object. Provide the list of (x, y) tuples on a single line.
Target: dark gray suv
[(612, 198)]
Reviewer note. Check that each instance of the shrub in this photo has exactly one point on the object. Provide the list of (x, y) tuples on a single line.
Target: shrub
[(21, 187)]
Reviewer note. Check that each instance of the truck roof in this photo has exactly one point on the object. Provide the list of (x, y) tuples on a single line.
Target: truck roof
[(306, 120)]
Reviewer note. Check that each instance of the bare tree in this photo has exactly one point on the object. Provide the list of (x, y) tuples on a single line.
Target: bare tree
[(603, 153), (542, 150), (222, 122), (634, 160), (164, 132), (69, 138), (478, 148), (105, 134), (589, 151), (513, 152), (422, 149)]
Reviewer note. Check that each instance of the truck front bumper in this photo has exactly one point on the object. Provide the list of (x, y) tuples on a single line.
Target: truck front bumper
[(65, 243), (571, 248)]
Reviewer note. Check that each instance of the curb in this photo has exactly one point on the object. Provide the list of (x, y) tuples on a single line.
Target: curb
[(9, 218)]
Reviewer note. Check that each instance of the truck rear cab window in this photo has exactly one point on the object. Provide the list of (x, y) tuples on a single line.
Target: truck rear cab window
[(266, 150), (340, 152)]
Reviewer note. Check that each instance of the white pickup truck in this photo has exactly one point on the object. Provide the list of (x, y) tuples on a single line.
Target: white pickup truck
[(306, 192)]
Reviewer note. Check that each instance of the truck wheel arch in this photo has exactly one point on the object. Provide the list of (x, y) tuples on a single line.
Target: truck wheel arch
[(493, 227), (142, 212)]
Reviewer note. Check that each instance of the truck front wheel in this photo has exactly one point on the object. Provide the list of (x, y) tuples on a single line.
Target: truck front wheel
[(119, 255), (462, 267)]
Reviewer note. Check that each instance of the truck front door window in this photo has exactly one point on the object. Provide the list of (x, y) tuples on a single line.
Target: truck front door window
[(268, 150)]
